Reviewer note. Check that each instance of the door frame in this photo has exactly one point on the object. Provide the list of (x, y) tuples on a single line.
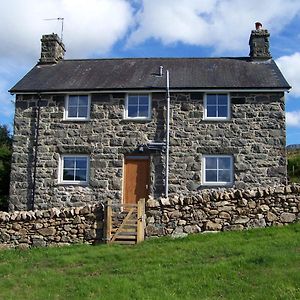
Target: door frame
[(134, 156)]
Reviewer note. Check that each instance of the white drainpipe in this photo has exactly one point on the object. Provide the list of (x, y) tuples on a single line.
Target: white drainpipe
[(167, 135)]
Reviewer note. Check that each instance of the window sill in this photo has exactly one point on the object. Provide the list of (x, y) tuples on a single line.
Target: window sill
[(216, 120), (73, 183), (75, 120), (137, 120), (217, 184)]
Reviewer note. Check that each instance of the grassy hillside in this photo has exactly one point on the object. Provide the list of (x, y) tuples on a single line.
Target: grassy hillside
[(255, 264), (294, 165)]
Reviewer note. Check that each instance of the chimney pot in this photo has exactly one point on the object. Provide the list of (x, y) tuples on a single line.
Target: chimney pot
[(258, 26), (52, 49)]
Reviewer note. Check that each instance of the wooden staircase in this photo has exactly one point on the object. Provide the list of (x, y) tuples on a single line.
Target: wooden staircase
[(124, 223)]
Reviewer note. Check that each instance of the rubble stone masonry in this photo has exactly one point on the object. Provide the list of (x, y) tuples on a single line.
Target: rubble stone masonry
[(223, 211), (254, 136), (176, 216)]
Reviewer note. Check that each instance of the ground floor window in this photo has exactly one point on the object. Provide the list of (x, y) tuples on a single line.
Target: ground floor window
[(217, 170), (74, 169)]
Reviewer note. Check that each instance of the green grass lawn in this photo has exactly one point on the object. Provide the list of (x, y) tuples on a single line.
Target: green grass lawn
[(254, 264)]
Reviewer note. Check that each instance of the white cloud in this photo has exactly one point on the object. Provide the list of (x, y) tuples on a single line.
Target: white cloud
[(95, 27), (293, 118), (290, 67), (222, 24), (90, 26)]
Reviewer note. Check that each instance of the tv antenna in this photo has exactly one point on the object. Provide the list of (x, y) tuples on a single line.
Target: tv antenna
[(62, 25)]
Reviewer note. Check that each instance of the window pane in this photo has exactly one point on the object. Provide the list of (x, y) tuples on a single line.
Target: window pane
[(69, 162), (81, 163), (132, 111), (143, 111), (143, 100), (211, 175), (73, 100), (225, 163), (211, 111), (211, 163), (68, 175), (133, 100), (224, 176), (83, 100), (72, 112), (211, 99), (82, 111), (81, 175), (222, 99), (222, 111)]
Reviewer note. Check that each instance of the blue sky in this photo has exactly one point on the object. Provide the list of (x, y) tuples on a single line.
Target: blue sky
[(149, 28)]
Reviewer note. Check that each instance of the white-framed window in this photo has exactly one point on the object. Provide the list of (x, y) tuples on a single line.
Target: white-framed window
[(74, 169), (138, 106), (77, 107), (216, 107), (217, 170)]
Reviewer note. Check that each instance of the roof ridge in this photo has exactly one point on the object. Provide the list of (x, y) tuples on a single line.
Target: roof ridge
[(154, 58)]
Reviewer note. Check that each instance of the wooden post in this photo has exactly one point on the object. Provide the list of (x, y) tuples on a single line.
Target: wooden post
[(108, 221), (140, 221)]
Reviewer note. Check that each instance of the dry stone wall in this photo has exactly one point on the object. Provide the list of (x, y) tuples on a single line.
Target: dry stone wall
[(52, 227), (222, 211), (177, 216)]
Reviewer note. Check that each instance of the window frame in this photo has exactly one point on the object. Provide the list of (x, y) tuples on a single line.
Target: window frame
[(217, 183), (61, 170), (228, 117), (126, 117), (66, 108)]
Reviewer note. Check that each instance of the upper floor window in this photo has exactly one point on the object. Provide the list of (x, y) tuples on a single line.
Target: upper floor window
[(217, 169), (216, 107), (74, 169), (77, 107), (138, 106)]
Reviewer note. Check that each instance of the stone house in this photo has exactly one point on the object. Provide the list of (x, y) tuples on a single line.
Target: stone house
[(89, 130)]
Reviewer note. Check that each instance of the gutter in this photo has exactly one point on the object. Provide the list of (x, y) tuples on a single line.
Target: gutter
[(150, 90)]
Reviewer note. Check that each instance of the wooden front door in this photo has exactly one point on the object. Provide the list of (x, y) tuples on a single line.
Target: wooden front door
[(136, 178)]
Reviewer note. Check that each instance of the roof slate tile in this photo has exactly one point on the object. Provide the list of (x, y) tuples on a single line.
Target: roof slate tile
[(141, 73)]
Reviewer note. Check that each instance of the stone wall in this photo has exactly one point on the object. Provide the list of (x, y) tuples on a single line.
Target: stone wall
[(255, 136), (52, 227), (222, 211), (177, 216)]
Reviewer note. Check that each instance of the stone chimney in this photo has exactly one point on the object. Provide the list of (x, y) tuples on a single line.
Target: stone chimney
[(52, 49), (259, 43)]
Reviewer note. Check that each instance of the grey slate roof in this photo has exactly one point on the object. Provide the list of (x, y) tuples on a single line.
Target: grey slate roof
[(139, 73)]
